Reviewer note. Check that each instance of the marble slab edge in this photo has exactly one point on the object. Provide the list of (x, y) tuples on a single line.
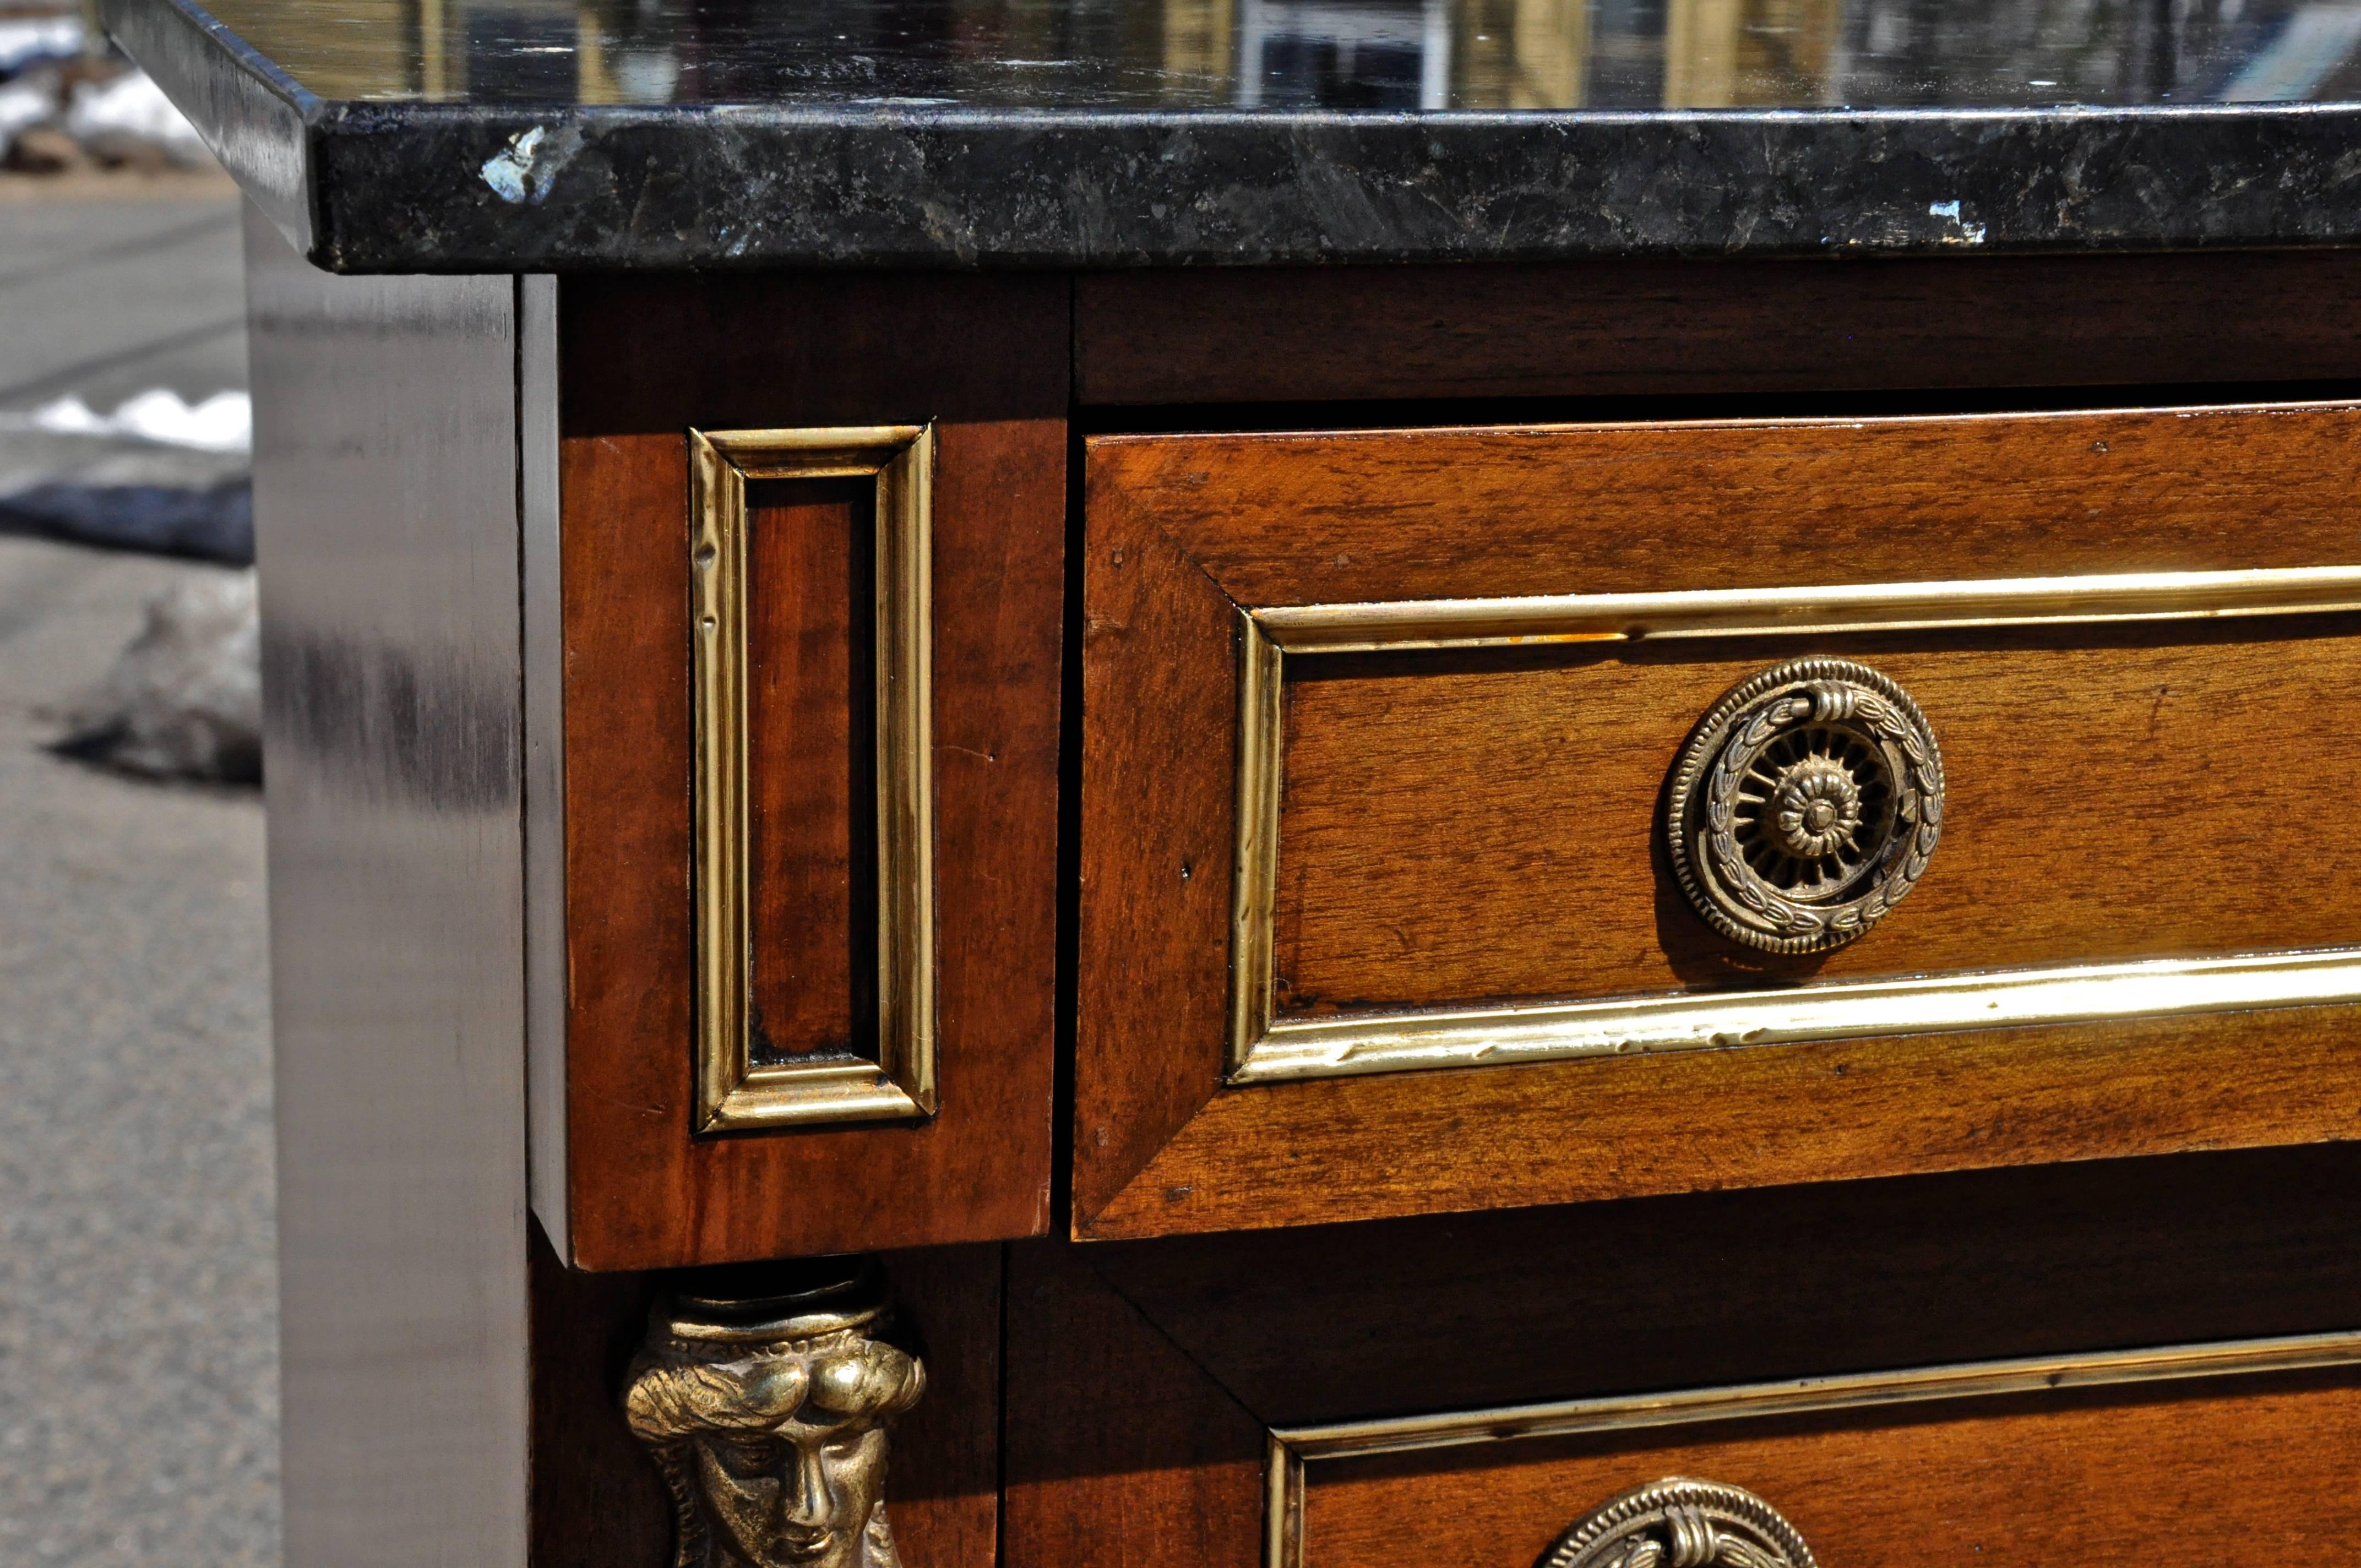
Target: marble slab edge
[(410, 186), (252, 114)]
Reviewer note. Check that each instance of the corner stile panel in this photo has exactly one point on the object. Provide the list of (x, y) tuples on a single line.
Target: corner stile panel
[(810, 854), (734, 1091), (385, 488)]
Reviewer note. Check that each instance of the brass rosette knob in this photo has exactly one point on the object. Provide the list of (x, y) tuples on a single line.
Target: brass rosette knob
[(1805, 805), (1680, 1524)]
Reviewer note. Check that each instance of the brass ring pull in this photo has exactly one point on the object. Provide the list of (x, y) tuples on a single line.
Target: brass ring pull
[(1805, 805), (1679, 1523)]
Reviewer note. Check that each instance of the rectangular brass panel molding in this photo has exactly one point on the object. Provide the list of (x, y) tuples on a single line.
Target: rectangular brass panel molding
[(733, 1092), (1264, 1049), (1290, 1449)]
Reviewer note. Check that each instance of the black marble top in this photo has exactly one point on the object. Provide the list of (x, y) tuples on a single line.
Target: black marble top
[(533, 134)]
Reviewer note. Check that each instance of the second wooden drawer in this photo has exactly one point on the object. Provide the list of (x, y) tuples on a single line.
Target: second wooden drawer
[(2131, 1457)]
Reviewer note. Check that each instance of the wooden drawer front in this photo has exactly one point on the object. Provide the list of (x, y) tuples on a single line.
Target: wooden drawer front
[(1447, 820), (1378, 729), (2130, 1459)]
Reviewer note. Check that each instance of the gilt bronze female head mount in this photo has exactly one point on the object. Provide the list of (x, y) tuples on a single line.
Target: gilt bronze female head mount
[(765, 1394)]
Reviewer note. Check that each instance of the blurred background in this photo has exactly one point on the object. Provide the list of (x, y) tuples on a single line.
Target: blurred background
[(137, 1291)]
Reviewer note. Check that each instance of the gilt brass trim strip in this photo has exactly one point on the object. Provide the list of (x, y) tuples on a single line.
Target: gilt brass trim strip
[(1254, 894), (1282, 1508), (1867, 607), (1263, 1048), (1352, 1045), (1804, 1396), (905, 790), (1290, 1449), (732, 1091)]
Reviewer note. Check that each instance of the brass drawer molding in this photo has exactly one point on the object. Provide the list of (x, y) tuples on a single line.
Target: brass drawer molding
[(1266, 1047), (765, 1400), (1805, 805), (1507, 622), (733, 1091), (1680, 1523), (1292, 1455)]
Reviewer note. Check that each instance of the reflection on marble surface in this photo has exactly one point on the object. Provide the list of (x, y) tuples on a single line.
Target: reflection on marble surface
[(1369, 55)]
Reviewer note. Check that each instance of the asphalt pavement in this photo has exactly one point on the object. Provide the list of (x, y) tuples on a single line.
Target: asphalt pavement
[(107, 299), (138, 1393)]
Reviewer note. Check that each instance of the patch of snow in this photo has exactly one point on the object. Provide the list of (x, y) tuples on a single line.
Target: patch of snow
[(222, 423), (132, 108), (185, 699), (23, 105), (26, 41)]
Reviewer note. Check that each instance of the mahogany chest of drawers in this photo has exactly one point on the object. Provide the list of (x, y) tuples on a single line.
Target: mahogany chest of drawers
[(1274, 784), (1725, 939)]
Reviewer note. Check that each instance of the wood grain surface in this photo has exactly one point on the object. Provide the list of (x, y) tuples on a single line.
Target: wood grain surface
[(1349, 516), (1711, 1120), (1152, 962), (2162, 1474), (642, 359), (596, 1501), (1130, 1430), (811, 797), (1464, 828), (1716, 328), (1121, 1453), (943, 1481), (1446, 830)]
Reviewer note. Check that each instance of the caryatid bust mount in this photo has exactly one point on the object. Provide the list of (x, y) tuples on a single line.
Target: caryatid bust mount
[(765, 1393)]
